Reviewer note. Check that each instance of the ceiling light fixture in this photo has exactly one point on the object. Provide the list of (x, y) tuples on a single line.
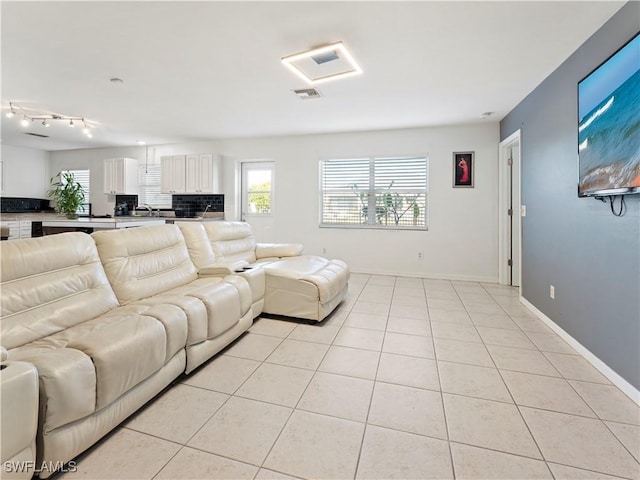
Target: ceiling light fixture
[(322, 64), (29, 115)]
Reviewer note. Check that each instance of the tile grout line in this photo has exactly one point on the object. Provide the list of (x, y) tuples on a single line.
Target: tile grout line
[(373, 389), (533, 438), (444, 411)]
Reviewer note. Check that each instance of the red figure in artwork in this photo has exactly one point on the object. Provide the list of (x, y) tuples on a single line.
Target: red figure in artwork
[(464, 166)]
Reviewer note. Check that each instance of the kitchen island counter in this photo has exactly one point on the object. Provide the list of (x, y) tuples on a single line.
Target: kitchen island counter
[(103, 223)]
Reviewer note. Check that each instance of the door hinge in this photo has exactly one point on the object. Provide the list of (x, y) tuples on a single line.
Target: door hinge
[(510, 212), (509, 161), (510, 262)]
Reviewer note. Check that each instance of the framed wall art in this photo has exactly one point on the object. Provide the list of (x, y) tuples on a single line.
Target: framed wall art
[(463, 163)]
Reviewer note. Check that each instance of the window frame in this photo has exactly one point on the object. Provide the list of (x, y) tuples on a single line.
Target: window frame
[(245, 167), (373, 193), (85, 209), (143, 187)]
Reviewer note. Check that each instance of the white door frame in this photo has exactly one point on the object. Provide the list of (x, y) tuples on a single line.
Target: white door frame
[(503, 206)]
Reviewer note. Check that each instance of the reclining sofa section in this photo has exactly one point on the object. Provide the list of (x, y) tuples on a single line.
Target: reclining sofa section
[(295, 285), (109, 321), (60, 314)]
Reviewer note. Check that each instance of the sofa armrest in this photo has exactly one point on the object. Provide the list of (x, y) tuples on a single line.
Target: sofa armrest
[(266, 250), (221, 269)]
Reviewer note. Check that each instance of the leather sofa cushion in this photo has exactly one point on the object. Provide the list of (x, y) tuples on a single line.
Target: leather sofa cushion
[(86, 367), (49, 284), (144, 261), (306, 274), (231, 241), (198, 243), (277, 250), (212, 305)]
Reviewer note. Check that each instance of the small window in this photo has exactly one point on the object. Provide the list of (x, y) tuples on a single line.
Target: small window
[(257, 188), (374, 192), (83, 177), (149, 187)]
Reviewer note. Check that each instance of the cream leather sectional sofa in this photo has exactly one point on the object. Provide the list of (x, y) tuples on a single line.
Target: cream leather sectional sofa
[(109, 320)]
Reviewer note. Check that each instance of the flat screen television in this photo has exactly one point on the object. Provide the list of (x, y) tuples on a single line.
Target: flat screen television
[(609, 125)]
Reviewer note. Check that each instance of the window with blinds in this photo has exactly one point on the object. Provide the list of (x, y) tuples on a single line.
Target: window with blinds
[(149, 187), (374, 192), (83, 177)]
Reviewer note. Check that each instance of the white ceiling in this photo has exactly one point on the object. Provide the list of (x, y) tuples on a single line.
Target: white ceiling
[(201, 70)]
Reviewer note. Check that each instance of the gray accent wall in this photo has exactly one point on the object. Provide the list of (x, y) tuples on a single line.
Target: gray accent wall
[(576, 244)]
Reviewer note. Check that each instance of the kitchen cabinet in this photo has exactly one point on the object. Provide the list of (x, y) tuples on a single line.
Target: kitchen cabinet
[(121, 176), (189, 174), (203, 173), (172, 174), (18, 229)]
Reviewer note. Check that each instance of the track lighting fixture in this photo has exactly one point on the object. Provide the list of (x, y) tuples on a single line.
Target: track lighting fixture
[(29, 115), (12, 111)]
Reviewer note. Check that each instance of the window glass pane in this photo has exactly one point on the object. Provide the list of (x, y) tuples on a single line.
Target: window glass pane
[(382, 192), (259, 202), (257, 188), (149, 187)]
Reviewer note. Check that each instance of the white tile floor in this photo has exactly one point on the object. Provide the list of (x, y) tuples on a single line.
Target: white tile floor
[(409, 379)]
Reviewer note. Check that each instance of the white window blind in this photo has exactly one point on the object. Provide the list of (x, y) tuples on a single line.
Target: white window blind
[(149, 187), (374, 192), (83, 178)]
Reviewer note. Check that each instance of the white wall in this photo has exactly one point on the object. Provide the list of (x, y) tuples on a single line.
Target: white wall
[(25, 172), (462, 240)]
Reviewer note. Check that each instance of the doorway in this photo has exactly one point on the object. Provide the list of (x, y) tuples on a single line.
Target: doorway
[(511, 212), (256, 198)]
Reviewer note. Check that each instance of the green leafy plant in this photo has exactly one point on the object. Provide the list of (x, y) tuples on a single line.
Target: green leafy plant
[(67, 194)]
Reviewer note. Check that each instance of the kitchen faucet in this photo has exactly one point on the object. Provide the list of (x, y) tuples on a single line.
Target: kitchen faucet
[(204, 214), (148, 207)]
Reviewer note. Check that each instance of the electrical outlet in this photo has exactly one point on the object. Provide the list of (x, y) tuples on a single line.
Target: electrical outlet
[(324, 250), (419, 255), (523, 210), (552, 291)]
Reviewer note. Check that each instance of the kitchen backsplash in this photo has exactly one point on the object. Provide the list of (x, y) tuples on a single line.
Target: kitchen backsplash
[(130, 200), (192, 204), (23, 205)]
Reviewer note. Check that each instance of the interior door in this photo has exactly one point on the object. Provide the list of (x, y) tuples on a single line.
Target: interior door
[(257, 198), (516, 219)]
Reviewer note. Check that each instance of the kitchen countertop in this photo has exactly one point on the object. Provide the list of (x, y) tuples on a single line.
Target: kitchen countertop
[(55, 217), (107, 223)]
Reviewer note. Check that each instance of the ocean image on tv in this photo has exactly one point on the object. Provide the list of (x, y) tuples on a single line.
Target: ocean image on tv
[(609, 136)]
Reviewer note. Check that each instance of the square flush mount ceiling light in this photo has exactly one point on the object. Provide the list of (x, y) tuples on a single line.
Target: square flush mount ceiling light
[(322, 64)]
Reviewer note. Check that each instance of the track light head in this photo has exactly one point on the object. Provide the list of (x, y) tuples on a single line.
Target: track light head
[(45, 123), (71, 124), (25, 121)]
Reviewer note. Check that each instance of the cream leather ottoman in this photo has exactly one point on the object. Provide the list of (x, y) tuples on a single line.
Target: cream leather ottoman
[(306, 286), (19, 418)]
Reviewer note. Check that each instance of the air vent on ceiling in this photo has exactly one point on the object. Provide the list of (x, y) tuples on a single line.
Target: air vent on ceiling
[(36, 135), (307, 93)]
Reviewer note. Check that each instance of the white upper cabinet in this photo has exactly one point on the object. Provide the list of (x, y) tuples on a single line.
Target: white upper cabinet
[(172, 174), (121, 176), (191, 174)]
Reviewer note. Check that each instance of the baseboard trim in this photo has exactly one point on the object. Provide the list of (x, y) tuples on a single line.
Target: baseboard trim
[(455, 278), (628, 389)]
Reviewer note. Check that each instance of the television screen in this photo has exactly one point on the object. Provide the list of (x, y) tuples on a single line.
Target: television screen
[(609, 125)]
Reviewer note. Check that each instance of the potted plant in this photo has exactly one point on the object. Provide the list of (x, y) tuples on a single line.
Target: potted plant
[(67, 194)]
